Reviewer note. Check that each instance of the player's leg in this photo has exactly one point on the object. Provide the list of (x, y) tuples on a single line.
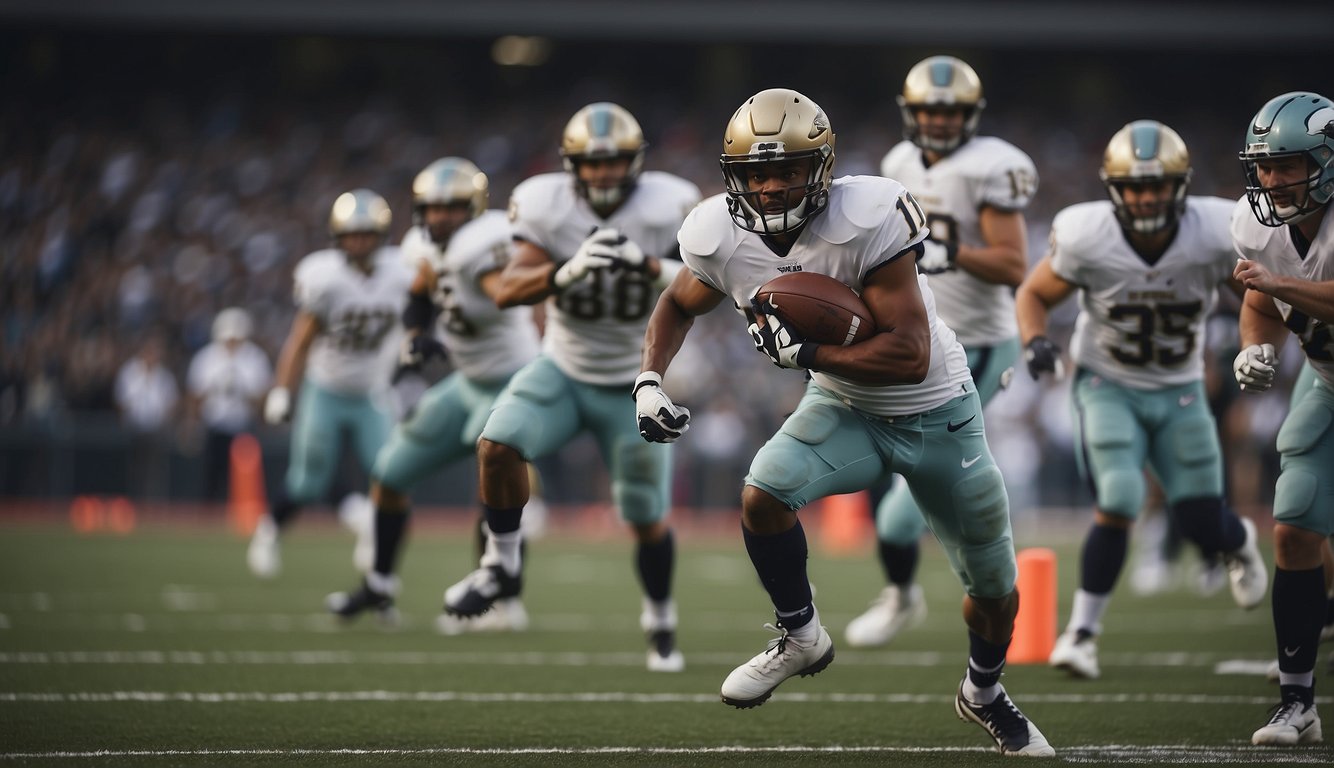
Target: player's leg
[(534, 415), (962, 494), (315, 442), (641, 474), (822, 449), (1304, 518), (1113, 447), (1187, 459)]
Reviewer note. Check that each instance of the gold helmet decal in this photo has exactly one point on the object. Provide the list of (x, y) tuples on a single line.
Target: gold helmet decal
[(451, 180), (941, 82), (777, 125), (603, 130)]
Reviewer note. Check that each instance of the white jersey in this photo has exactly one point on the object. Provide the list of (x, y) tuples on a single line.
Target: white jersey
[(595, 328), (229, 383), (1273, 247), (486, 343), (862, 228), (359, 314), (1142, 325), (985, 171)]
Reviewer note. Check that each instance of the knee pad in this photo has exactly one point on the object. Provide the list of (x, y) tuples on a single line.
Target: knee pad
[(1294, 494), (989, 570), (1121, 492), (1195, 443), (783, 464), (1300, 432), (639, 482)]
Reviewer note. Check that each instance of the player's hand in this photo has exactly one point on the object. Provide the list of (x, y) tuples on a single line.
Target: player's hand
[(936, 257), (660, 420), (278, 406), (599, 251), (776, 340), (1254, 367), (629, 256), (1043, 356)]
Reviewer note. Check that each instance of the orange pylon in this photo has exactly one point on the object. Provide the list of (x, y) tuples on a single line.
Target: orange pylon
[(120, 515), (247, 500), (1035, 626), (846, 526)]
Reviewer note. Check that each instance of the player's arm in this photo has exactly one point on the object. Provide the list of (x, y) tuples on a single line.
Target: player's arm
[(1260, 322), (291, 365), (1315, 299), (419, 342), (900, 352), (1037, 294), (686, 298), (1004, 258), (527, 278)]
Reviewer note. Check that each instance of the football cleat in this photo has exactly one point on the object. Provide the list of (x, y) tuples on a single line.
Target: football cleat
[(1076, 652), (1013, 733), (1247, 571), (1290, 723), (479, 590), (660, 628), (263, 556), (357, 514), (506, 615), (892, 612), (377, 597), (751, 684)]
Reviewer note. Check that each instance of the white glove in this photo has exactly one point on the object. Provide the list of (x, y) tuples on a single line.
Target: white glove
[(630, 255), (660, 420), (599, 251), (782, 346), (936, 257), (1254, 367), (278, 406)]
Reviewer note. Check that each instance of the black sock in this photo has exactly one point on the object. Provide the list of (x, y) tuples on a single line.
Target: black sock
[(780, 562), (1210, 525), (1297, 620), (283, 511), (502, 520), (389, 530), (1102, 559), (1329, 611), (655, 562), (899, 562), (986, 660)]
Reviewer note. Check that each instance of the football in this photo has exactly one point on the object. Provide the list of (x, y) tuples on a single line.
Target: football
[(816, 307)]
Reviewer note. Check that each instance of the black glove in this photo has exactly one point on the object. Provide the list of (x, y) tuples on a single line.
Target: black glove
[(416, 350), (1043, 356)]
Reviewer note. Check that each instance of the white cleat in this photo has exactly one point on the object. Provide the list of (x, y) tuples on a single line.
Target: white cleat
[(1077, 656), (1291, 723), (892, 612), (1013, 733), (660, 628), (751, 684), (263, 556), (506, 615), (1247, 571)]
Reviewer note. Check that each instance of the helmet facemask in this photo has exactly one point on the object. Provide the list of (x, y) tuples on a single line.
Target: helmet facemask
[(603, 131), (1146, 152), (747, 206), (1304, 195)]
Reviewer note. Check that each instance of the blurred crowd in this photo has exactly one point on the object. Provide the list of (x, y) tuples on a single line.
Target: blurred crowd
[(144, 195)]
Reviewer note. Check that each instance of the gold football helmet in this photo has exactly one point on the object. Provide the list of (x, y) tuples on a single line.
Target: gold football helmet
[(360, 210), (450, 180), (777, 125), (1146, 151), (941, 81), (599, 131)]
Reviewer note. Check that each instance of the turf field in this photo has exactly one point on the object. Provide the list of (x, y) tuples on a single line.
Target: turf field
[(158, 648)]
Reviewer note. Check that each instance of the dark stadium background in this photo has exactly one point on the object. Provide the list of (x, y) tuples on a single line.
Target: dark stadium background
[(161, 161)]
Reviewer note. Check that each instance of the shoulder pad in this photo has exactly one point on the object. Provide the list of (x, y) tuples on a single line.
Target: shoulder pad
[(1248, 235), (706, 227), (897, 157), (857, 204), (667, 198), (1078, 226), (543, 201)]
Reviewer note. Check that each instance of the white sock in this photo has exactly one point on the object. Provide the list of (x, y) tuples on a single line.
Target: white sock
[(980, 695), (1087, 610), (503, 549), (808, 632)]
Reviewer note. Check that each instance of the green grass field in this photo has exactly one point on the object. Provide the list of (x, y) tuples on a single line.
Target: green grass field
[(159, 649)]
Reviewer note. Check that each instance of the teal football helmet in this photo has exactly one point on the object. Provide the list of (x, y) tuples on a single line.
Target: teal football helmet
[(1297, 124)]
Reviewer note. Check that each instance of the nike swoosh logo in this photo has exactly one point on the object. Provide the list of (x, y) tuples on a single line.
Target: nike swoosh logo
[(1185, 400), (951, 426), (966, 463), (1291, 653)]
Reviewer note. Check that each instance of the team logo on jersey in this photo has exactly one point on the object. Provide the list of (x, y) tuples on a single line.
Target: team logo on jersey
[(789, 267)]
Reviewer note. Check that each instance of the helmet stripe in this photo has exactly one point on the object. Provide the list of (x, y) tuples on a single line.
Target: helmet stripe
[(1144, 140), (942, 73)]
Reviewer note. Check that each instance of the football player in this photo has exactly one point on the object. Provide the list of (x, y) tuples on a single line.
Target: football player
[(973, 190), (901, 401), (1283, 234), (1147, 264), (596, 244), (457, 249), (348, 301)]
